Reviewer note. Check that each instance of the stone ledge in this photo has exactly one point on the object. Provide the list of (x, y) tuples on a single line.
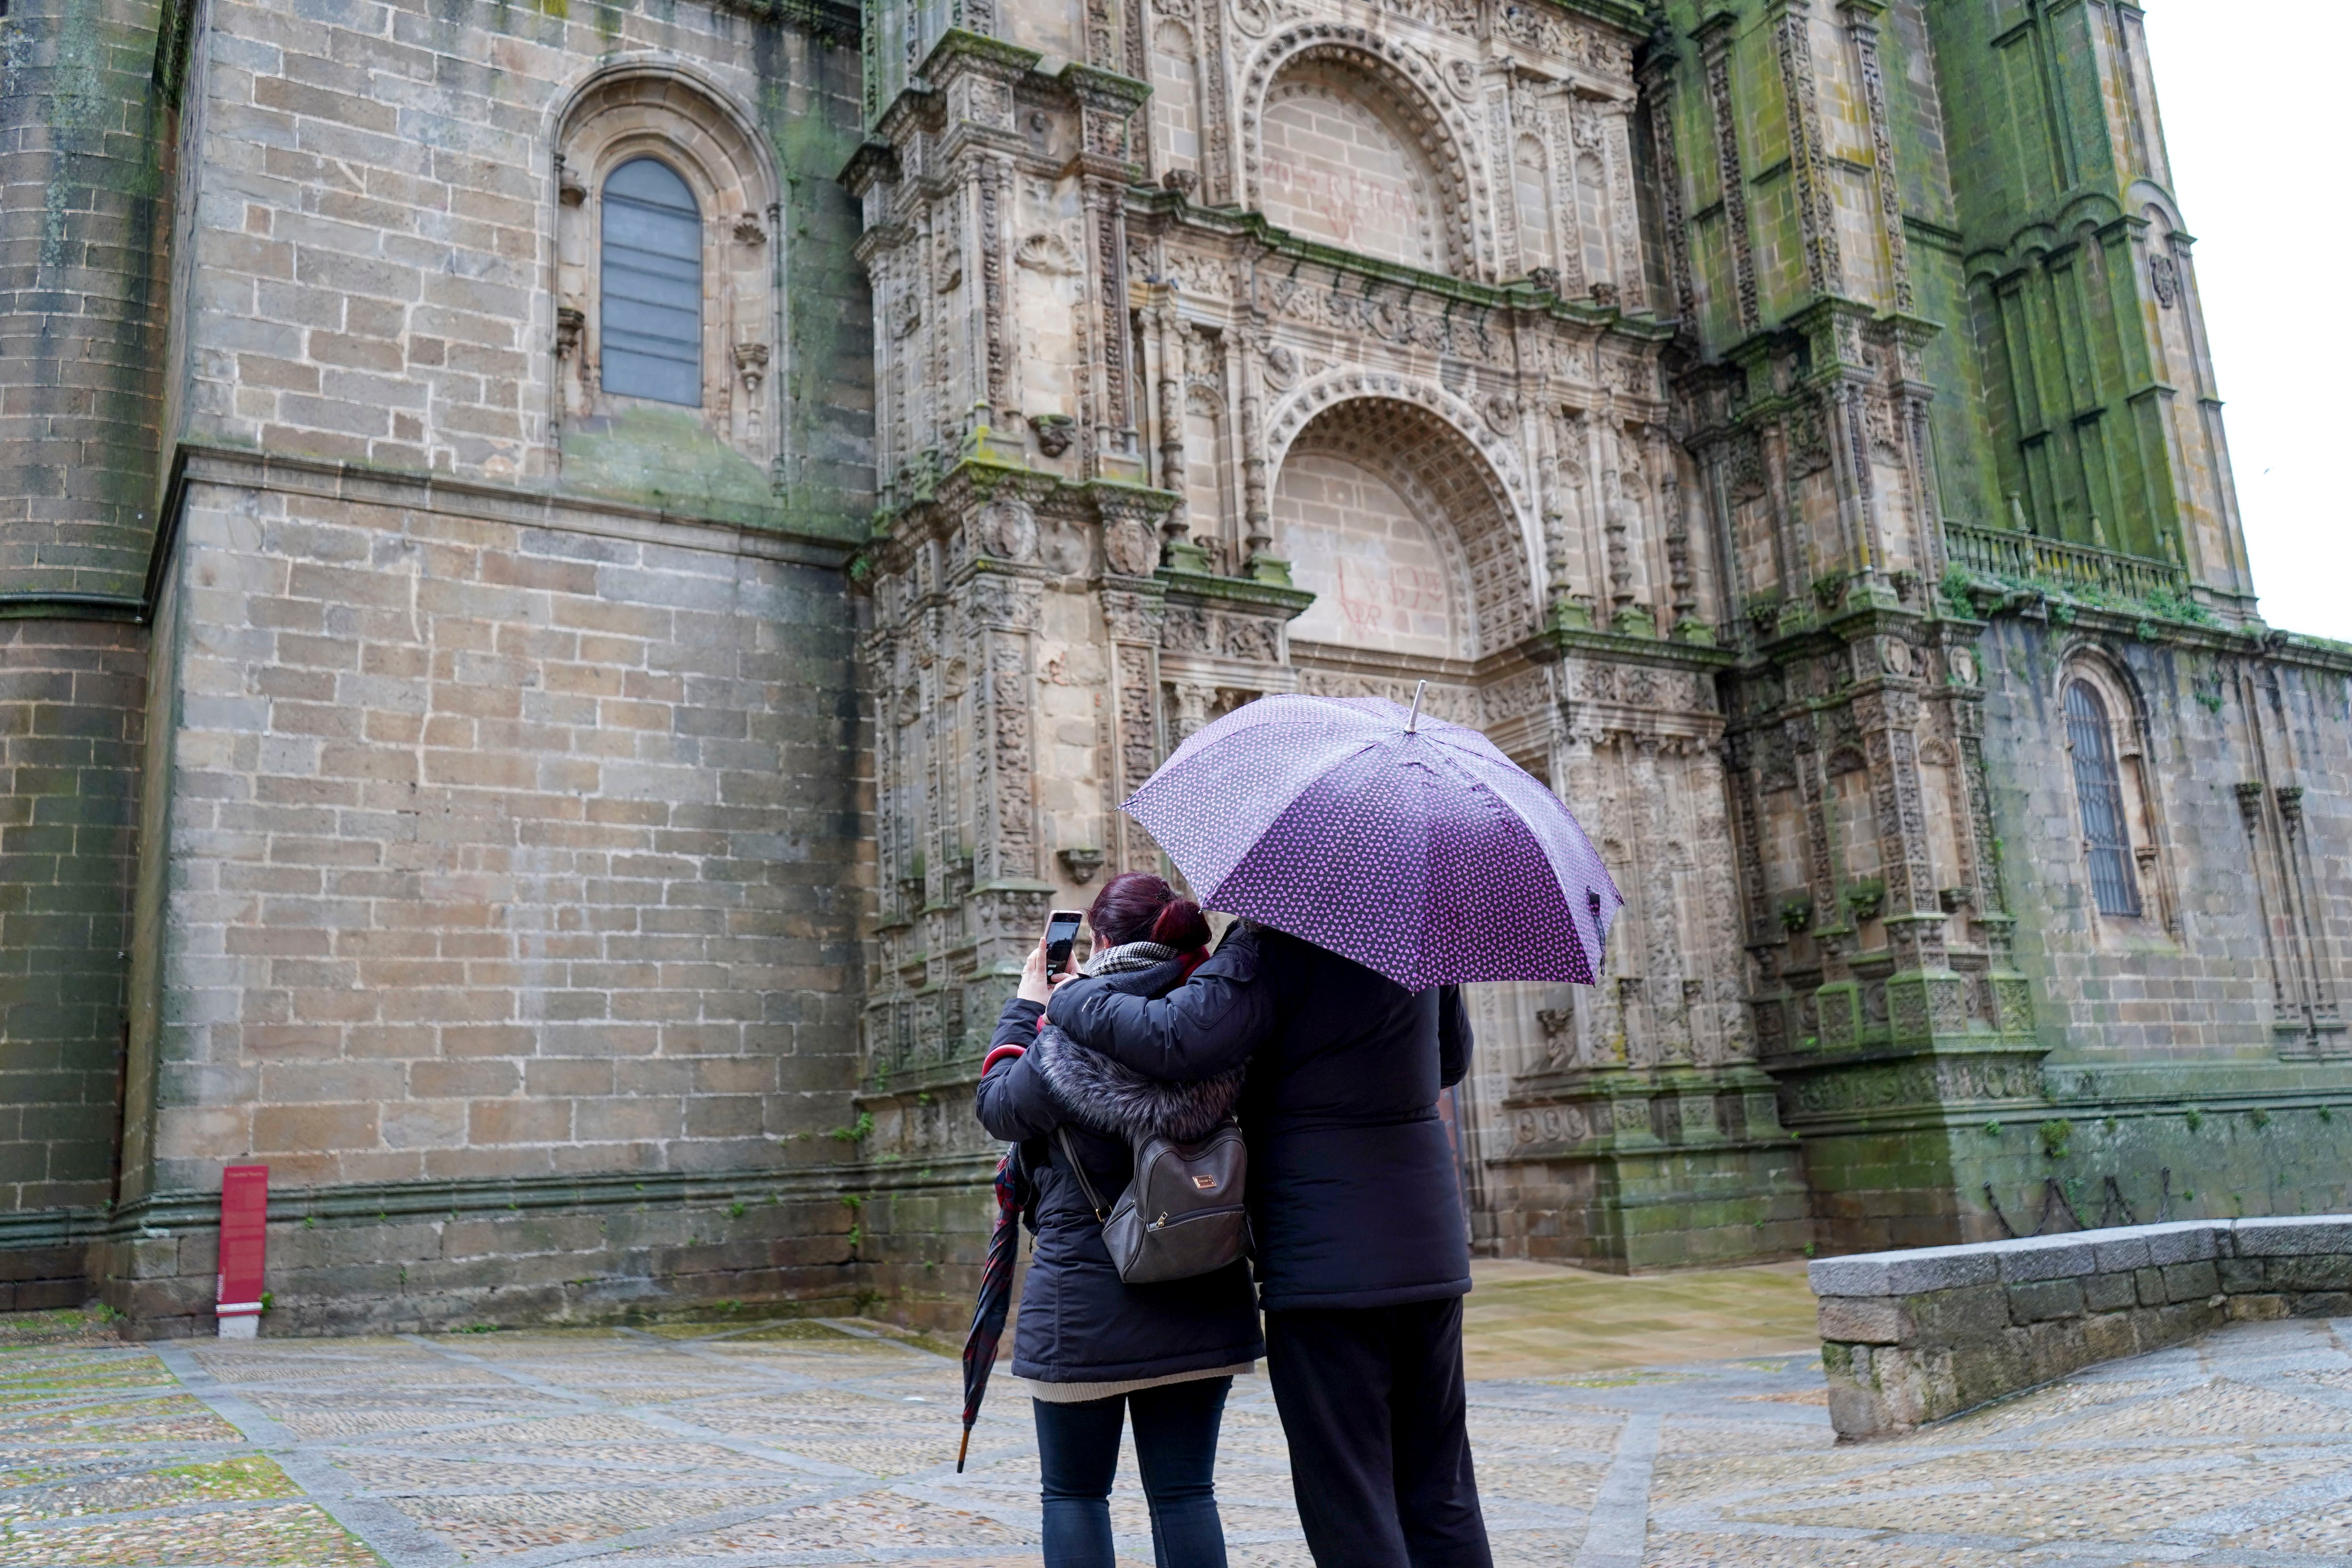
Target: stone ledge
[(1913, 1337)]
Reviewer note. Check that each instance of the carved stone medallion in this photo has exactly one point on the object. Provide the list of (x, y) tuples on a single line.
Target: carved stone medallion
[(1008, 530), (1128, 548)]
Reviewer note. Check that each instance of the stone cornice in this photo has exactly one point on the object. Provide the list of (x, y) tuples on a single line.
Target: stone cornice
[(362, 484), (1627, 16), (875, 161), (1288, 603), (1104, 90), (976, 477), (1545, 647), (1280, 245), (829, 19), (1715, 27), (960, 50)]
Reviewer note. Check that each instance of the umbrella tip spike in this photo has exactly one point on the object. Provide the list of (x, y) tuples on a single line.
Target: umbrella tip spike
[(1414, 723)]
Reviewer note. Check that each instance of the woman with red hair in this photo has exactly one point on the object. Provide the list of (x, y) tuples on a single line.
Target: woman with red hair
[(1093, 1349)]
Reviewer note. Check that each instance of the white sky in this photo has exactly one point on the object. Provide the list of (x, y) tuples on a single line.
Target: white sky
[(2252, 97)]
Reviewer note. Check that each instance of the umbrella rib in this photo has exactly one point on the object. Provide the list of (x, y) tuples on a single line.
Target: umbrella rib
[(1457, 759)]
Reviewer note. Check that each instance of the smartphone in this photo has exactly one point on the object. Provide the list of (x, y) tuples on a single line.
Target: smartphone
[(1061, 935)]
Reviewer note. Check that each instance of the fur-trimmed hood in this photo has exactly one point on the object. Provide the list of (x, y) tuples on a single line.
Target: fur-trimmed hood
[(1114, 1099)]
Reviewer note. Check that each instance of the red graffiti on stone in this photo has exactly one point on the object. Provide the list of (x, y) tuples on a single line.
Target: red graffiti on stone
[(1352, 207), (1379, 598)]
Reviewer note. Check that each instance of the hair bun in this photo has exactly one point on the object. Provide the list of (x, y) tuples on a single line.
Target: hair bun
[(1181, 926)]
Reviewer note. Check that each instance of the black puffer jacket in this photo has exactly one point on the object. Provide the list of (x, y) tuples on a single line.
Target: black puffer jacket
[(1352, 1189), (1079, 1321)]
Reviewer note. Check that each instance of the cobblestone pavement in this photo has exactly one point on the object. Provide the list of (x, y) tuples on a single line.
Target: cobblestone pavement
[(827, 1443)]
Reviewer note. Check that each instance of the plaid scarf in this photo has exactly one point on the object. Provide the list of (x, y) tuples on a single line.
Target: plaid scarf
[(1128, 957)]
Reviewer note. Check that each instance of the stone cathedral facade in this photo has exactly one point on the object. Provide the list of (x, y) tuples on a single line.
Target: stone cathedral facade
[(578, 578)]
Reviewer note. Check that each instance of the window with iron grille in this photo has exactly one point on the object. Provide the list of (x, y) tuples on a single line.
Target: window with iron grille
[(652, 308), (2100, 794)]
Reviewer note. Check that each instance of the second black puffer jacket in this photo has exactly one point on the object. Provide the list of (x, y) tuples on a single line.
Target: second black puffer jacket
[(1352, 1190), (1079, 1323)]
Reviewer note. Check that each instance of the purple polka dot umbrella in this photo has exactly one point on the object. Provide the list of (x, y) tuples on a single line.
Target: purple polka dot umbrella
[(1410, 845)]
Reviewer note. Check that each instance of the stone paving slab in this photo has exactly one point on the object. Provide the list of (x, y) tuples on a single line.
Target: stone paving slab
[(833, 1443)]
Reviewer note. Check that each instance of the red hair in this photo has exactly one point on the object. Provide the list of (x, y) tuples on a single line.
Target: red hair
[(1136, 906)]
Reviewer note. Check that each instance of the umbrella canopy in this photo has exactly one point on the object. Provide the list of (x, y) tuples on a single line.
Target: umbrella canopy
[(1411, 845), (996, 1295)]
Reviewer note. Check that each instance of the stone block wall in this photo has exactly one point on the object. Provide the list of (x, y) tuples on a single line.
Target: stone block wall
[(2194, 1058), (72, 714), (380, 206), (1913, 1337), (1640, 1212), (2244, 909), (513, 850), (923, 1236), (86, 148), (604, 1252)]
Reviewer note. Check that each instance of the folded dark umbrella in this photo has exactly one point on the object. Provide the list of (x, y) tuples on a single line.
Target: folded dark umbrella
[(995, 1294)]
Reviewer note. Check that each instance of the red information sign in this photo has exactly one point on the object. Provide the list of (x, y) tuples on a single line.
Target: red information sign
[(245, 1213)]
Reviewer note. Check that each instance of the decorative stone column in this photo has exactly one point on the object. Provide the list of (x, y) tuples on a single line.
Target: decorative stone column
[(1012, 575)]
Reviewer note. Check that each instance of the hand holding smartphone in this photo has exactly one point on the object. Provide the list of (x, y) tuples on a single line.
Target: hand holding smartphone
[(1050, 961)]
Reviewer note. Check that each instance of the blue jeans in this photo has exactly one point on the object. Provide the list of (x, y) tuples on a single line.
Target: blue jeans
[(1176, 1446)]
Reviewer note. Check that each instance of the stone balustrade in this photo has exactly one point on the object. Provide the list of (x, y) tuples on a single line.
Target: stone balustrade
[(1915, 1336)]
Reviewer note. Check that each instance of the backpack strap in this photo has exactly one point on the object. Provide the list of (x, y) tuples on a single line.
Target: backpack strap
[(1078, 1169)]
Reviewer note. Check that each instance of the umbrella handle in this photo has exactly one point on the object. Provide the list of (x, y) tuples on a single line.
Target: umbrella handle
[(963, 1449)]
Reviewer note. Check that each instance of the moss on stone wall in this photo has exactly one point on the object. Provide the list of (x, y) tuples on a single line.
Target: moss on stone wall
[(81, 303)]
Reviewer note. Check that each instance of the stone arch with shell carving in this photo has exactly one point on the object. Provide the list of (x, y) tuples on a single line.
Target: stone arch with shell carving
[(1291, 413), (1408, 86), (1435, 464)]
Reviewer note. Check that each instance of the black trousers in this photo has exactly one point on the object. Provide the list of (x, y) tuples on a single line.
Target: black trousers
[(1372, 1406)]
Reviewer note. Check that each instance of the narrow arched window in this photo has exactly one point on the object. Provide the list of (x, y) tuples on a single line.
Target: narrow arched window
[(2100, 794), (652, 267)]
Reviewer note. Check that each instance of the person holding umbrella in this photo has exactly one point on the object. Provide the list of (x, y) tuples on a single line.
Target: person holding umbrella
[(1093, 1349), (1380, 860)]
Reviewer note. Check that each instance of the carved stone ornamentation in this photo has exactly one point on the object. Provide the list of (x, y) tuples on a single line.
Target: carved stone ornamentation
[(1281, 367), (1008, 530), (750, 364), (1130, 547)]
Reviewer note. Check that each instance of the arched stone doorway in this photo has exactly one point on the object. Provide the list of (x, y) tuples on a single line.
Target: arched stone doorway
[(1407, 540)]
